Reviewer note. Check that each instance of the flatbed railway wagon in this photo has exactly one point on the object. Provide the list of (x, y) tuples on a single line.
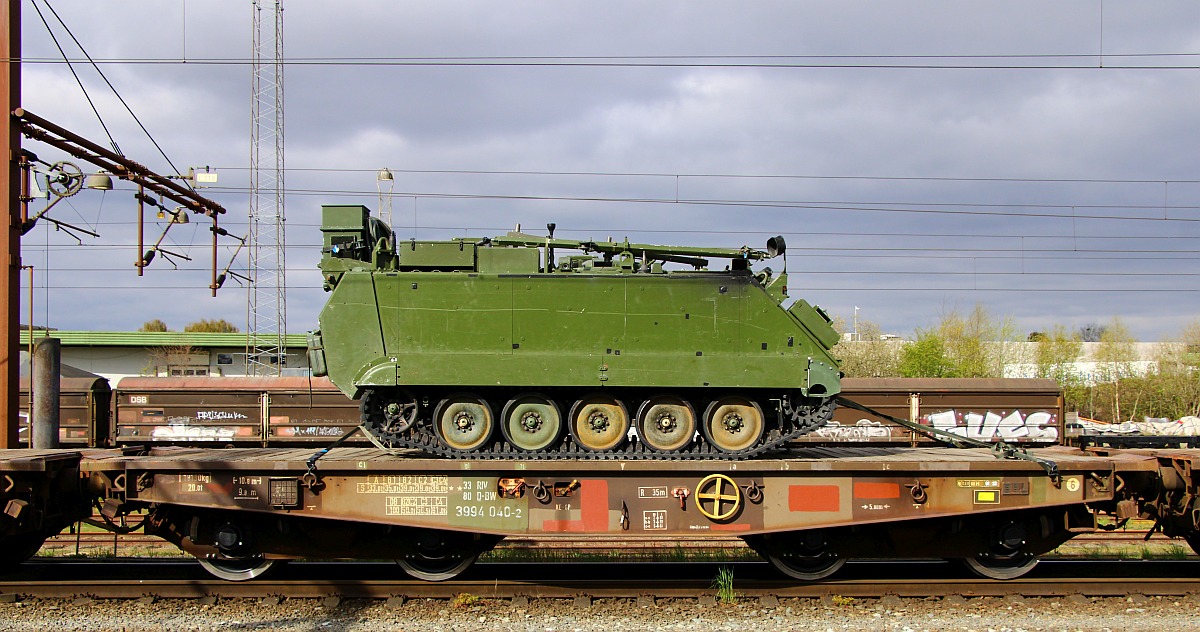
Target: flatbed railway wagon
[(242, 511)]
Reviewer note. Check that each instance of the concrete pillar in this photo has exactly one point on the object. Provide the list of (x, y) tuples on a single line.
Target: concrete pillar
[(47, 371)]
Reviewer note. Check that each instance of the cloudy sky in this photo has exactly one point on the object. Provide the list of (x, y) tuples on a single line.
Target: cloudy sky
[(1040, 159)]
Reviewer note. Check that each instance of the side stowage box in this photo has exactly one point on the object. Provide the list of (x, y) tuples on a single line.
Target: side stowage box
[(815, 321)]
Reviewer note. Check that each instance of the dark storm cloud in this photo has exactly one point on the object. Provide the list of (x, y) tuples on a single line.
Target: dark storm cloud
[(1010, 168)]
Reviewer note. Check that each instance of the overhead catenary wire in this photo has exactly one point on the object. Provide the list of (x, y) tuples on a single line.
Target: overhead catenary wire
[(1065, 61), (784, 176), (115, 92), (773, 204), (71, 67)]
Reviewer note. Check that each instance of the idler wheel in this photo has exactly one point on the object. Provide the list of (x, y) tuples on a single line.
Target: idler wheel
[(733, 424), (531, 422), (666, 423), (391, 411), (463, 422), (599, 422)]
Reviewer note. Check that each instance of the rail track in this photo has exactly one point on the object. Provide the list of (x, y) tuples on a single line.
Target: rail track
[(174, 579)]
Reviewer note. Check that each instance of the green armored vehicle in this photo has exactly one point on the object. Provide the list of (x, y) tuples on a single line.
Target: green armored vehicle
[(493, 348)]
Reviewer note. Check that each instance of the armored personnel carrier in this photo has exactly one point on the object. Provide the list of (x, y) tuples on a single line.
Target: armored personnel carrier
[(523, 346)]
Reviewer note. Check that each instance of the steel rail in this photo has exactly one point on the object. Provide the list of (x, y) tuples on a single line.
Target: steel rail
[(1180, 582), (678, 589)]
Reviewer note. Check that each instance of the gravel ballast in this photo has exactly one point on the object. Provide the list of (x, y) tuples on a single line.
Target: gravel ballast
[(562, 615)]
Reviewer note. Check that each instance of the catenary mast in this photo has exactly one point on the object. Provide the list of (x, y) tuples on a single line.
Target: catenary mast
[(267, 302)]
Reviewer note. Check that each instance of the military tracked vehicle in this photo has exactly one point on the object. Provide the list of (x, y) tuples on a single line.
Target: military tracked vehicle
[(524, 346)]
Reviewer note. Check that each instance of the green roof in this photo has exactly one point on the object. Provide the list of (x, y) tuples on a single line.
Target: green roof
[(151, 339)]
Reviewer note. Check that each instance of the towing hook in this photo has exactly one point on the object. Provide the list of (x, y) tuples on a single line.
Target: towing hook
[(754, 492), (541, 492), (312, 482), (917, 491)]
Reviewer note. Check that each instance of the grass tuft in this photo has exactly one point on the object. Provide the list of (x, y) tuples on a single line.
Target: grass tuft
[(724, 585)]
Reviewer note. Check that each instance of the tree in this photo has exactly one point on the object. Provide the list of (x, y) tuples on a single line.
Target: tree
[(870, 355), (1055, 352), (1114, 362), (926, 357), (976, 345), (153, 325), (1091, 332), (218, 326), (1115, 354), (163, 359)]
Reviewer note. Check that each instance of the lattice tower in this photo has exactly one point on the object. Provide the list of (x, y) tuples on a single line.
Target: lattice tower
[(266, 320)]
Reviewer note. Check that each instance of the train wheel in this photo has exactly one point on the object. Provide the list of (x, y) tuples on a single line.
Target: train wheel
[(239, 570), (463, 421), (599, 422), (19, 548), (666, 423), (440, 555), (531, 422), (993, 567), (733, 424), (1193, 540), (804, 555), (436, 570), (807, 568)]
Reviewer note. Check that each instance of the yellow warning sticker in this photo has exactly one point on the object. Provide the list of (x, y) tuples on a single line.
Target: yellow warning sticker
[(987, 497)]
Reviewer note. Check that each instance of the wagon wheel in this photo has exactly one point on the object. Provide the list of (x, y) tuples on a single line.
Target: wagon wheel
[(531, 422), (807, 568), (436, 569), (439, 555), (733, 424), (993, 567), (599, 422), (463, 422), (666, 423), (238, 570), (1193, 540), (19, 548), (803, 555)]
